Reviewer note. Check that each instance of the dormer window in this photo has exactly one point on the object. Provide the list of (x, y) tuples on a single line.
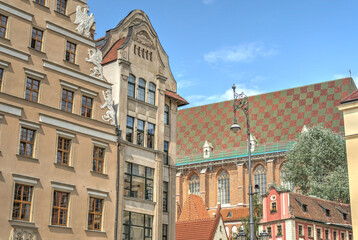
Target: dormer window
[(229, 214), (325, 210), (328, 213), (343, 214), (302, 205)]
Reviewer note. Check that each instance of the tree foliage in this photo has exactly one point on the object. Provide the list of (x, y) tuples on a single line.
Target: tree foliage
[(317, 165), (257, 212)]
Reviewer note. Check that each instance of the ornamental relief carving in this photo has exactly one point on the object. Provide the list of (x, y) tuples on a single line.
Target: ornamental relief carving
[(23, 234), (143, 38), (84, 21), (95, 57)]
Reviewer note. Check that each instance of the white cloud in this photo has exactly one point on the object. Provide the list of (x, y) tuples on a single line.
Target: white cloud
[(198, 100), (241, 53)]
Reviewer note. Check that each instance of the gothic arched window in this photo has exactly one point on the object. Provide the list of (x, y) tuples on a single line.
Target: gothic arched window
[(260, 179), (224, 188), (194, 185), (285, 184)]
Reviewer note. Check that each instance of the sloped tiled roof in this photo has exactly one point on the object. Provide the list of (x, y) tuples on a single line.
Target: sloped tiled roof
[(351, 98), (194, 209), (237, 213), (195, 230), (181, 101), (111, 55), (274, 117), (316, 212)]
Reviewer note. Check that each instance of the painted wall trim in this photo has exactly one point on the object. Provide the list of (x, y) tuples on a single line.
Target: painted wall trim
[(15, 11), (10, 109), (15, 53)]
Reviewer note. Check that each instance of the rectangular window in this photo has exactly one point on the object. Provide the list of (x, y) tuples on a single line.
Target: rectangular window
[(137, 226), (151, 93), (63, 151), (166, 114), (165, 232), (138, 181), (319, 233), (61, 6), (95, 214), (140, 132), (59, 208), (27, 140), (150, 135), (309, 231), (3, 25), (32, 90), (166, 151), (300, 230), (22, 202), (326, 234), (269, 231), (165, 196), (42, 2), (71, 52), (350, 237), (129, 129), (141, 90), (273, 207), (98, 159), (1, 77), (67, 100), (279, 230), (86, 109), (36, 39), (131, 85), (343, 236)]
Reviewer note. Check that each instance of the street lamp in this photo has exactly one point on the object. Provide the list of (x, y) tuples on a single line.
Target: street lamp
[(264, 235), (241, 235), (241, 102)]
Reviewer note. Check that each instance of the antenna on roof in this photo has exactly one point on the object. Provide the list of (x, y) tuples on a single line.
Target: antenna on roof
[(350, 73)]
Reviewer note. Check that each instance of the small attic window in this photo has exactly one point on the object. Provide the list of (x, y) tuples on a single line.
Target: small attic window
[(328, 212), (343, 214), (302, 205), (325, 210), (229, 214)]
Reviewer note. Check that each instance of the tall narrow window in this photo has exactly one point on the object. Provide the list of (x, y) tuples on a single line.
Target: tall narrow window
[(138, 181), (165, 196), (86, 109), (194, 184), (36, 40), (151, 93), (137, 226), (131, 85), (343, 236), (3, 24), (61, 6), (129, 129), (67, 100), (260, 179), (71, 52), (32, 90), (166, 114), (166, 151), (285, 184), (326, 234), (60, 208), (141, 89), (98, 159), (27, 140), (63, 150), (140, 132), (42, 2), (150, 135), (224, 188), (1, 77), (22, 202), (279, 230), (95, 214), (165, 232), (319, 233)]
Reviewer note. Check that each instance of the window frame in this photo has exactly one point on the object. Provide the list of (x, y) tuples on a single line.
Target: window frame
[(60, 8), (30, 203), (260, 178), (60, 207), (166, 114), (148, 189), (223, 194), (309, 231), (165, 196), (145, 226), (194, 184), (141, 89), (140, 132), (30, 126), (35, 40), (301, 228), (152, 88), (32, 89), (4, 26), (132, 84), (273, 207), (86, 108), (2, 70), (66, 100), (130, 129), (69, 53), (165, 232), (166, 153), (39, 2), (150, 136), (26, 142), (279, 233), (70, 137), (95, 213), (319, 230), (102, 160)]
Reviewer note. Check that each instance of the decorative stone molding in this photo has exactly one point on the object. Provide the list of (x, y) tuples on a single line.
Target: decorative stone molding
[(123, 54), (14, 53), (110, 114), (20, 233), (97, 193), (84, 21), (95, 57), (143, 38), (35, 73), (124, 77), (16, 11), (10, 109)]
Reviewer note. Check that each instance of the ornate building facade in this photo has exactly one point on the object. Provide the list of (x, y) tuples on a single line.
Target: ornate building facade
[(146, 103), (212, 161)]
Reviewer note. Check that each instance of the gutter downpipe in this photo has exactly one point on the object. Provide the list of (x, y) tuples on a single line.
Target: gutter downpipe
[(118, 133)]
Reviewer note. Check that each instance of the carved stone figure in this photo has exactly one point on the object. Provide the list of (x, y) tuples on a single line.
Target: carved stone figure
[(22, 234), (95, 57), (143, 38), (110, 114), (84, 21)]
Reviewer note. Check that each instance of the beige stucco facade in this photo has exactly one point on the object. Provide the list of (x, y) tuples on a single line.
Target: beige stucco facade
[(43, 171), (350, 114)]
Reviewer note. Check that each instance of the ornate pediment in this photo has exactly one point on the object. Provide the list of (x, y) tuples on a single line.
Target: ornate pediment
[(143, 38)]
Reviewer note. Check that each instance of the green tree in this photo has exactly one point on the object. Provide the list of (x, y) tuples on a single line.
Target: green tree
[(257, 211), (317, 165)]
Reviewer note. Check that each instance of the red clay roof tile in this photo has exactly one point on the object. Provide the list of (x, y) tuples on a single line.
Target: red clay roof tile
[(351, 98), (111, 55), (194, 209), (181, 101)]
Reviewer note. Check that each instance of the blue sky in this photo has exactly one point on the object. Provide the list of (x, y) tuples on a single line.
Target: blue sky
[(259, 45)]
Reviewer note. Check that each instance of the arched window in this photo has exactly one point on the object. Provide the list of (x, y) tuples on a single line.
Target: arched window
[(224, 188), (260, 179), (194, 185), (285, 184), (166, 114), (131, 85), (141, 89), (151, 93)]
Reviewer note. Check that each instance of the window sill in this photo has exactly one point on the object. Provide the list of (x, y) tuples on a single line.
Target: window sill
[(99, 174), (7, 40), (23, 157), (39, 4), (59, 226), (139, 200), (61, 14), (71, 63), (95, 231), (142, 102), (59, 165), (19, 223), (34, 49)]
